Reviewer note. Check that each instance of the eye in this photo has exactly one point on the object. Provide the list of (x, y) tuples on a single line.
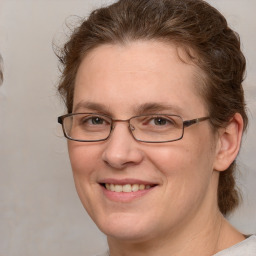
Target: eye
[(153, 122), (96, 120), (160, 121)]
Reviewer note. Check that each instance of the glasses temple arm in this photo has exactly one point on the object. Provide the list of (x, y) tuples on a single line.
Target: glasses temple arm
[(194, 121), (60, 120)]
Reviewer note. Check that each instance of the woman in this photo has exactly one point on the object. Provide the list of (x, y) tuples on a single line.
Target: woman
[(156, 114)]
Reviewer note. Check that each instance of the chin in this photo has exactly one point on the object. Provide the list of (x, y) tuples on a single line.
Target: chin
[(123, 226)]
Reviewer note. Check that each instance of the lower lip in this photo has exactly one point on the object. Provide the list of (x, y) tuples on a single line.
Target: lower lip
[(125, 197)]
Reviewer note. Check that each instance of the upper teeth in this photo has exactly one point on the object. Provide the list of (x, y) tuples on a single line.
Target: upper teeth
[(126, 187)]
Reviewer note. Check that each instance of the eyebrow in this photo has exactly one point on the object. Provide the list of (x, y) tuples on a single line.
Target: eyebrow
[(91, 106), (153, 107), (145, 108)]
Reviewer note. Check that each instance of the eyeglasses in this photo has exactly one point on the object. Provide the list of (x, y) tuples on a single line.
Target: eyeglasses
[(153, 128)]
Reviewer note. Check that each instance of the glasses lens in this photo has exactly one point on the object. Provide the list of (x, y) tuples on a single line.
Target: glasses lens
[(87, 127), (157, 128)]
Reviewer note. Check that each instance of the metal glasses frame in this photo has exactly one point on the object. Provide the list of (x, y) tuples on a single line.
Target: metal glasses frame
[(185, 123)]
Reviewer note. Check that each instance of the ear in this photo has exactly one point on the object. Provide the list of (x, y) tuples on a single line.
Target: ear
[(228, 143)]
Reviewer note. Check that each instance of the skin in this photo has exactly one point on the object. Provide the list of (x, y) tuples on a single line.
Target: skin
[(180, 215)]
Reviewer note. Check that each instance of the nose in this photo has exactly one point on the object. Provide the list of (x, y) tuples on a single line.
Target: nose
[(121, 149)]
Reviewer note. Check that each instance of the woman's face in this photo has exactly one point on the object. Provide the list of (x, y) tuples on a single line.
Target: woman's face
[(148, 77)]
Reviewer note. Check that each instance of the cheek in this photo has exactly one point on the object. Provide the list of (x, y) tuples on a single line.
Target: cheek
[(83, 159), (84, 163), (179, 159), (186, 171)]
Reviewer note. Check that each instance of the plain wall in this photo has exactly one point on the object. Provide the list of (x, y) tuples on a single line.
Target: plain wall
[(40, 213)]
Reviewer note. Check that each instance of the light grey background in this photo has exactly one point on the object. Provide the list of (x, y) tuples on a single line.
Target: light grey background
[(40, 213)]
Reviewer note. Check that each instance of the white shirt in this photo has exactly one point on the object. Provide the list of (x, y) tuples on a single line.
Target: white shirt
[(245, 248)]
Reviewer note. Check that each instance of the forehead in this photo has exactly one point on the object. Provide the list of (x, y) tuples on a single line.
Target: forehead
[(137, 73)]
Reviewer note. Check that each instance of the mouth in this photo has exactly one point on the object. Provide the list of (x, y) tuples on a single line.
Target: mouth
[(127, 188)]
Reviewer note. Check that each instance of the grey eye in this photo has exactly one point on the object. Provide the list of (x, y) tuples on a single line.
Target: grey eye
[(97, 120), (160, 121)]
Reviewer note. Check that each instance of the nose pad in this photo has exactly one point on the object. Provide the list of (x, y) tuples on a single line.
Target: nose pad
[(131, 127)]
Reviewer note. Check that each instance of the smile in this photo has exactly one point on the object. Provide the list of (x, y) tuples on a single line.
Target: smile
[(127, 188)]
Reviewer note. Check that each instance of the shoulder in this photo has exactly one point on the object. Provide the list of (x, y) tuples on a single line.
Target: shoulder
[(245, 248)]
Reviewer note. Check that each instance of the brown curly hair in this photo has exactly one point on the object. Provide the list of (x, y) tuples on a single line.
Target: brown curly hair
[(192, 24)]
